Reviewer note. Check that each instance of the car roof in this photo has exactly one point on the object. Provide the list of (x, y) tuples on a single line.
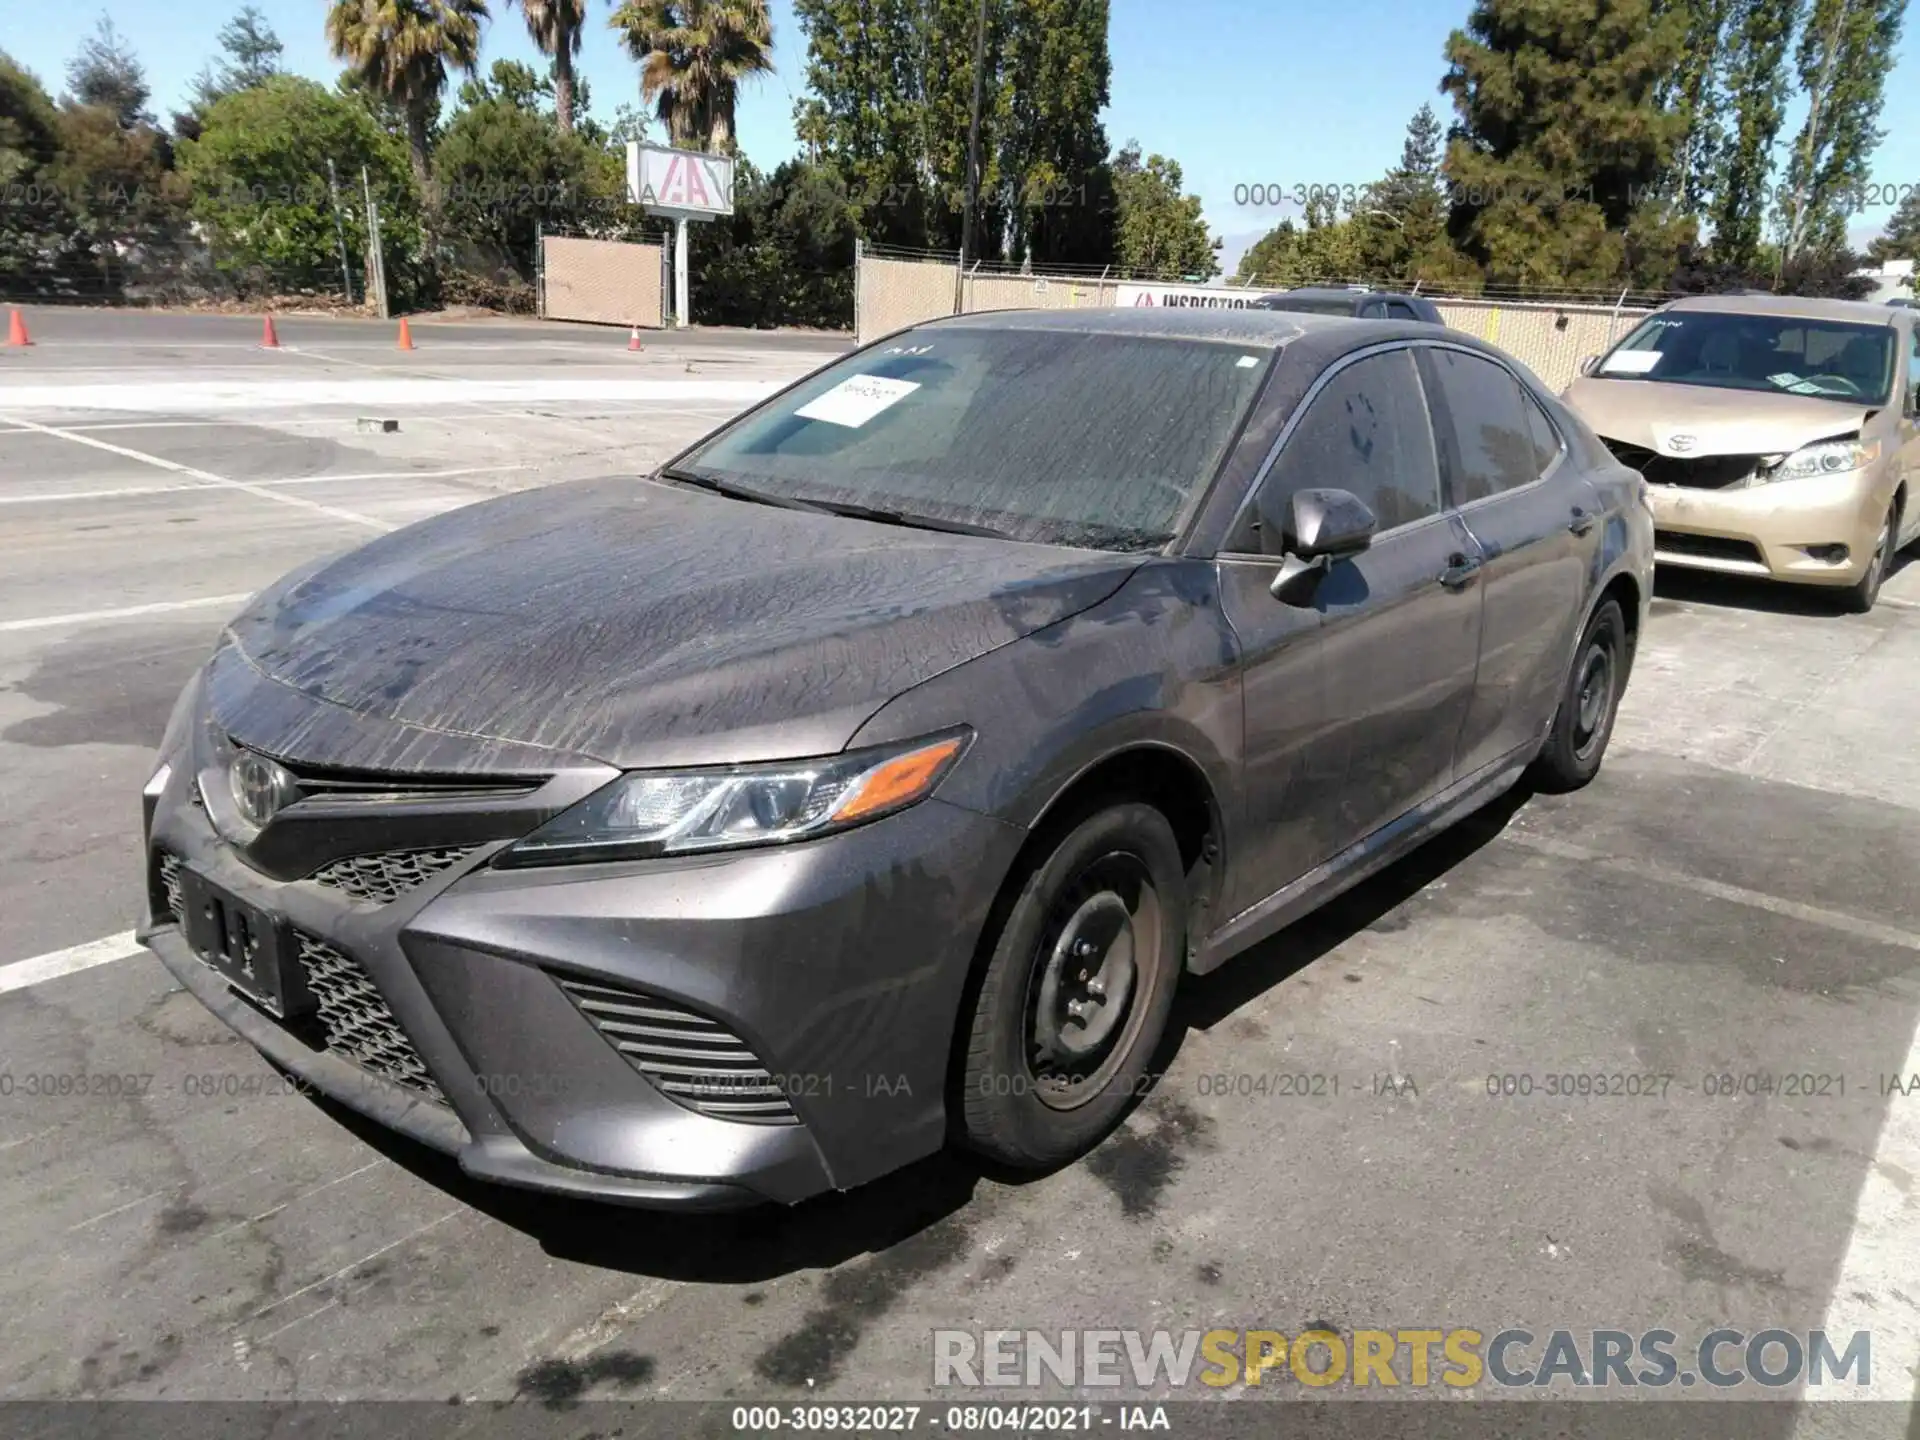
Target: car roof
[(1797, 307), (1337, 292)]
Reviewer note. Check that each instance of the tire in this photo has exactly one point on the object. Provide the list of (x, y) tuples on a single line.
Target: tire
[(1040, 1086), (1859, 598), (1583, 721)]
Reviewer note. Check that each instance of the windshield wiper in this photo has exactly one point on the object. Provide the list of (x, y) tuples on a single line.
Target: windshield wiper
[(736, 492), (883, 516)]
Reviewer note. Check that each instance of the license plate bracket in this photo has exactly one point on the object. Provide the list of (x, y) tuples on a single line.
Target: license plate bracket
[(251, 950)]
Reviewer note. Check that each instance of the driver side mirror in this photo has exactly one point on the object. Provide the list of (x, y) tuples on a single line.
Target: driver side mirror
[(1313, 530), (1589, 364)]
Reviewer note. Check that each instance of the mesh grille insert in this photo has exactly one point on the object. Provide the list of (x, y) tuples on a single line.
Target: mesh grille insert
[(170, 887), (385, 877), (355, 1019), (692, 1060)]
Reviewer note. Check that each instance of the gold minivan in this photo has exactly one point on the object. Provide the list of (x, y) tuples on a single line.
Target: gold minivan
[(1778, 436)]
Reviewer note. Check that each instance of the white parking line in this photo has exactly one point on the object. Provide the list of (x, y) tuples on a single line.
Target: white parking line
[(333, 512), (125, 612), (1883, 1255), (396, 391), (75, 958), (124, 490)]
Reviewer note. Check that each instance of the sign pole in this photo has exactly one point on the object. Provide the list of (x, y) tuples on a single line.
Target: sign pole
[(680, 316)]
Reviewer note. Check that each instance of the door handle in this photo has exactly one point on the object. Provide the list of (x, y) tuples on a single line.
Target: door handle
[(1460, 571), (1582, 522)]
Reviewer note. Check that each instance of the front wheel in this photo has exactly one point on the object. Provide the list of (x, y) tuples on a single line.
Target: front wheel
[(1583, 723), (1860, 597), (1076, 993)]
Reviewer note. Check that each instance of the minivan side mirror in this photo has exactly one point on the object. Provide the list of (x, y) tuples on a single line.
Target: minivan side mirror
[(1312, 530), (1589, 364)]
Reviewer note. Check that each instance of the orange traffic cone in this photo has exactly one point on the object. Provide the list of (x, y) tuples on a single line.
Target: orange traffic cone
[(17, 331), (406, 335), (268, 339), (633, 339)]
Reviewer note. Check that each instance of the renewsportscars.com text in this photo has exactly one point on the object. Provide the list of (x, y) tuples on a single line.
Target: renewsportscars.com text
[(1459, 1358)]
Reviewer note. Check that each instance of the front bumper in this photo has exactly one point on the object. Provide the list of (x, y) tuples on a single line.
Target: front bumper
[(1775, 532), (836, 967)]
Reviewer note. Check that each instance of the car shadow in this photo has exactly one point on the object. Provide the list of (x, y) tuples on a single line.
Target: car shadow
[(1707, 587), (761, 1244)]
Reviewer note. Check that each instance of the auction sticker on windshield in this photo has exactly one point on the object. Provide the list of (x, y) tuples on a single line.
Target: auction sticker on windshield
[(1632, 362), (855, 401)]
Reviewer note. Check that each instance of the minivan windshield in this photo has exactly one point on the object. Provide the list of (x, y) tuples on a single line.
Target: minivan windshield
[(1828, 359), (1049, 436)]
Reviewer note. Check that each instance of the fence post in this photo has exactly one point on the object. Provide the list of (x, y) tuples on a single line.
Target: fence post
[(375, 254), (859, 257), (1614, 318), (540, 268), (340, 232)]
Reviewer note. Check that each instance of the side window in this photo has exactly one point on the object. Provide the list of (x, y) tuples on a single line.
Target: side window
[(1367, 433), (1487, 443), (1913, 364), (1373, 310), (1400, 310), (1546, 439)]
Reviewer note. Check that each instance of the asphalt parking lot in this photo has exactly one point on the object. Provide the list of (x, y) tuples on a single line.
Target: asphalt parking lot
[(1737, 894)]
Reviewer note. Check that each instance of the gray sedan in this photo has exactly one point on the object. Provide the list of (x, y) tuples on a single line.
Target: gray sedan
[(865, 779)]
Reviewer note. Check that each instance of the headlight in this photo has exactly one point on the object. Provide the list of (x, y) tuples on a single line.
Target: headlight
[(1829, 457), (674, 812)]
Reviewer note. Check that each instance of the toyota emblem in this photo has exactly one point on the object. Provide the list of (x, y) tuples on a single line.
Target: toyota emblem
[(261, 787), (1680, 444)]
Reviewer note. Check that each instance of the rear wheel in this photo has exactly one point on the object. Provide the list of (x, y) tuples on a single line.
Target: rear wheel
[(1859, 598), (1591, 698), (1077, 990)]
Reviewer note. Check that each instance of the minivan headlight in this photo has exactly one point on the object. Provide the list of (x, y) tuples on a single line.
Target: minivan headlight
[(674, 812), (1828, 457)]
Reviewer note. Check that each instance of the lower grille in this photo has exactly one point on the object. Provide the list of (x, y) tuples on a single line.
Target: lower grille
[(692, 1060), (386, 877), (1708, 472), (1708, 547), (355, 1020)]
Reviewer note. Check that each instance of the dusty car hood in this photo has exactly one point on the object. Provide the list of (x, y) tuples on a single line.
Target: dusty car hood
[(643, 624), (1721, 422)]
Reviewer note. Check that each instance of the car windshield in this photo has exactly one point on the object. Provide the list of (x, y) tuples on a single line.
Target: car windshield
[(1776, 353), (1054, 437), (1334, 306)]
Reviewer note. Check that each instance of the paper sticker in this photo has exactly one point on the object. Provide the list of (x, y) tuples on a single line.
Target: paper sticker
[(1247, 362), (855, 401), (1631, 362)]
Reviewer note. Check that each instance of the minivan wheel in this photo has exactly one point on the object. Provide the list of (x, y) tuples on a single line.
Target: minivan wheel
[(1591, 698), (1859, 598), (1076, 992)]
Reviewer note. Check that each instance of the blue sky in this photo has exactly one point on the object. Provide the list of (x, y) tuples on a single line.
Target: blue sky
[(1240, 92)]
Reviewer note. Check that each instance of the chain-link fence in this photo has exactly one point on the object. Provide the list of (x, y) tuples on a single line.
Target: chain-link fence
[(894, 289), (612, 282)]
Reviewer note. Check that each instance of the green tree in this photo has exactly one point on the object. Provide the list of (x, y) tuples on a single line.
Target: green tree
[(1843, 60), (865, 110), (1159, 229), (692, 55), (1055, 195), (1901, 239), (785, 255), (555, 27), (1758, 33), (401, 49), (257, 176), (106, 73), (1694, 90), (502, 169), (1400, 224), (1561, 146), (253, 54), (34, 220)]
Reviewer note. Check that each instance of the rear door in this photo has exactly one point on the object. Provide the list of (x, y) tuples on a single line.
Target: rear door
[(1505, 470), (1352, 704)]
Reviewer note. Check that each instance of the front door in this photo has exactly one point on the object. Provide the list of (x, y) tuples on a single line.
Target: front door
[(1352, 703)]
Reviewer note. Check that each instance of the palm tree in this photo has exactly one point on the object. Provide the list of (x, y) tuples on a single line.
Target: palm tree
[(401, 49), (555, 27), (692, 56)]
